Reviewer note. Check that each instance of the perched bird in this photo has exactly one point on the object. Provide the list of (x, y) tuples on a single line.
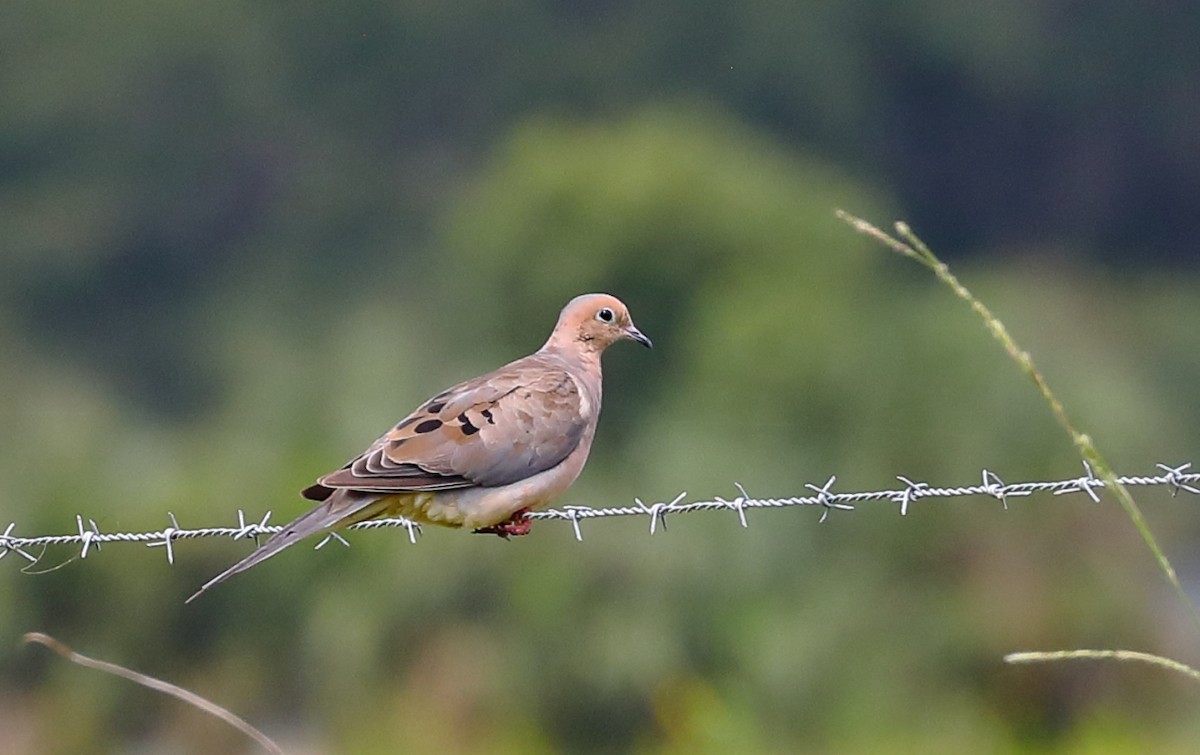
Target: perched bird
[(483, 453)]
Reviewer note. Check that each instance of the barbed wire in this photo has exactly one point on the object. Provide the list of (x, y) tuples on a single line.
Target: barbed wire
[(88, 535)]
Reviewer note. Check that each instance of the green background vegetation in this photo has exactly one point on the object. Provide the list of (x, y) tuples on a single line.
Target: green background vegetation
[(238, 241)]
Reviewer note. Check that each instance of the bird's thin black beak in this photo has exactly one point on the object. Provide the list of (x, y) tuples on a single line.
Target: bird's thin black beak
[(638, 336)]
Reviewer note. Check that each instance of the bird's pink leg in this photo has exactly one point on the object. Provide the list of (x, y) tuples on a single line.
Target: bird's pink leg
[(515, 525)]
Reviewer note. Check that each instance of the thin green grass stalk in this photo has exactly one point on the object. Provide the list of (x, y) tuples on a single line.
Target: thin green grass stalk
[(915, 249), (1104, 655)]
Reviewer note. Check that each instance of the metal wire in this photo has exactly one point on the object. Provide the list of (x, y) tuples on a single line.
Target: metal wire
[(88, 535)]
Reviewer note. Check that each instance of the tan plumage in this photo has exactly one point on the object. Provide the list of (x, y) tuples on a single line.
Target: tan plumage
[(481, 453)]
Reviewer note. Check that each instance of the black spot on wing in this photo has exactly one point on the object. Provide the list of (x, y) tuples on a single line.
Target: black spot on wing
[(428, 426), (467, 427), (317, 492)]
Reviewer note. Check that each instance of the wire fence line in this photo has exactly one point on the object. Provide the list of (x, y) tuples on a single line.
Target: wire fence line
[(88, 535)]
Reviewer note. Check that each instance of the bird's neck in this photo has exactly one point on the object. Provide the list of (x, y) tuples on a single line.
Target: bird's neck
[(573, 355), (574, 347)]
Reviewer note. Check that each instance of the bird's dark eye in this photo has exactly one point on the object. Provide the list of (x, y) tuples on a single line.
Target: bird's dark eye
[(605, 315)]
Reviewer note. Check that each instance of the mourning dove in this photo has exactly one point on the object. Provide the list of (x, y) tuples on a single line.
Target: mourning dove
[(481, 454)]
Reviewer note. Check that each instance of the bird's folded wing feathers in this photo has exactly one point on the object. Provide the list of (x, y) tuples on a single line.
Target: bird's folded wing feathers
[(495, 430)]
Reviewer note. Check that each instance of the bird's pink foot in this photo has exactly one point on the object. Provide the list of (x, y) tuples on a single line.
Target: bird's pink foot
[(516, 525)]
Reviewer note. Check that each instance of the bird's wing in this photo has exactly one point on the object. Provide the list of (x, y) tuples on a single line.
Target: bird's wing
[(494, 430)]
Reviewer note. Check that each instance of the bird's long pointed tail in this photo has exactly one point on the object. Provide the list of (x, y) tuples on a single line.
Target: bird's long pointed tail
[(344, 507)]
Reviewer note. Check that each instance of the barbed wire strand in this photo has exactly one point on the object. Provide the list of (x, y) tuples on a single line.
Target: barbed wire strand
[(88, 536)]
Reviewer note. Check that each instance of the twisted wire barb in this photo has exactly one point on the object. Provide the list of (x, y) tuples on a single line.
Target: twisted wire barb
[(88, 535)]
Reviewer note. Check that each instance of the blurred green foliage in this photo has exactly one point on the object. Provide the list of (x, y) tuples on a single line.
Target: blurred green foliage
[(240, 241)]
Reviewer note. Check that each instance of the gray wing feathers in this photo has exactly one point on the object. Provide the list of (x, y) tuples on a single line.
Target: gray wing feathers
[(341, 505), (494, 431)]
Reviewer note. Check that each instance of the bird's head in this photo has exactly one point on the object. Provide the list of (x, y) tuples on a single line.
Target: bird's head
[(593, 322)]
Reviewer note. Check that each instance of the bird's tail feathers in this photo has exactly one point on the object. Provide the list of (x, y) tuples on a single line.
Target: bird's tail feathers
[(343, 507)]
